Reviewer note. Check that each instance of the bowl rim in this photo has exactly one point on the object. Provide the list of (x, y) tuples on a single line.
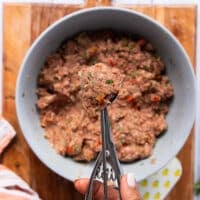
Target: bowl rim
[(88, 10)]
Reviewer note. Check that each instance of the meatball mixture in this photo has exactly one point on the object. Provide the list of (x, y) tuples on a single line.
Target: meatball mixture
[(70, 95), (100, 86)]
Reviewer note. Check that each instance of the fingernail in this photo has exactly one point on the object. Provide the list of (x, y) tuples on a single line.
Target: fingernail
[(131, 180)]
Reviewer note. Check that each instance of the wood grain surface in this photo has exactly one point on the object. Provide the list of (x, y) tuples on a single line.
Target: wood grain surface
[(22, 23)]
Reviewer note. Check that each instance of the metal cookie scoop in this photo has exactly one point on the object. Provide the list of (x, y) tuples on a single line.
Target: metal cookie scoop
[(107, 168)]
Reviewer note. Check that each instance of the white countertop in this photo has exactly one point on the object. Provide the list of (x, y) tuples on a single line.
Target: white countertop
[(148, 2)]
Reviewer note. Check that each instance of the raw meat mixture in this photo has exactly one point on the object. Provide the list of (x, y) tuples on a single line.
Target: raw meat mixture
[(137, 115), (100, 84)]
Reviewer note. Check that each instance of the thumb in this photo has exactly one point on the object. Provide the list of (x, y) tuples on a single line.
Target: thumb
[(128, 188)]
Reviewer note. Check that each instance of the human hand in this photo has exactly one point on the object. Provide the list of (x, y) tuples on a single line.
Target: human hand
[(128, 188)]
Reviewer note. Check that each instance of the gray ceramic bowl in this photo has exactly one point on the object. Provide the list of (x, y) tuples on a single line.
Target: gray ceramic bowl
[(182, 110)]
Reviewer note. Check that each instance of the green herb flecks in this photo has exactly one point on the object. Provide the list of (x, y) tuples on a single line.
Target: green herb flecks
[(76, 148), (133, 74), (131, 45), (109, 81), (147, 67), (119, 128), (157, 57), (120, 142), (69, 120), (165, 84)]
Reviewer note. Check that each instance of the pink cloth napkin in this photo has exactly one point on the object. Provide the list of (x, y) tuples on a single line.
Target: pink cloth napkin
[(12, 187)]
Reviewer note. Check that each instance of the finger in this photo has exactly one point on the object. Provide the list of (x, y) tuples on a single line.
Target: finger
[(128, 188), (81, 186)]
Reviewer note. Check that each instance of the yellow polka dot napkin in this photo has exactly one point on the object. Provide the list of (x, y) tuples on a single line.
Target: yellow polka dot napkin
[(157, 186)]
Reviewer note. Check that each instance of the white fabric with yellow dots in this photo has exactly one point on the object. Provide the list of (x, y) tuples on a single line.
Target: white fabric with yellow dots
[(157, 186)]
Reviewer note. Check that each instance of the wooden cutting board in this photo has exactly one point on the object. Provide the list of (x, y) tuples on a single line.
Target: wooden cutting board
[(22, 23)]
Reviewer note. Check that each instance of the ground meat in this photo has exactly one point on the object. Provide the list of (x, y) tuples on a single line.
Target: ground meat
[(100, 85), (125, 65)]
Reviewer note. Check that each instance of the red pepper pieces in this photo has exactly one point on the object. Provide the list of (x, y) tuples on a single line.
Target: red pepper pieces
[(133, 81), (129, 99), (69, 150), (156, 98), (111, 62)]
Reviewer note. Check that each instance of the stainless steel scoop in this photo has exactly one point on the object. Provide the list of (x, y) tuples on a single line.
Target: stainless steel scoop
[(107, 168)]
